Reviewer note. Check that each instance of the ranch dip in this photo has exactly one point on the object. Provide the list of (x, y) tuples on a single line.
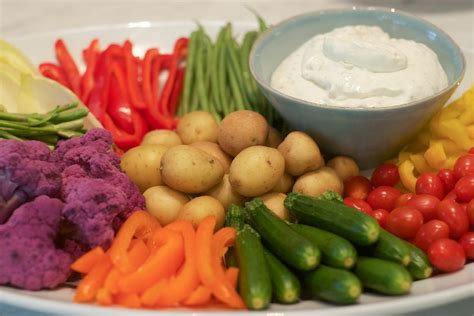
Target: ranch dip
[(360, 66)]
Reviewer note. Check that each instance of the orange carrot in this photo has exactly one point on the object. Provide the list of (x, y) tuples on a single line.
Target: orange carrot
[(131, 300), (141, 223), (201, 295), (93, 281), (162, 263), (204, 234), (111, 282), (104, 297), (87, 261), (232, 275), (148, 298), (138, 253)]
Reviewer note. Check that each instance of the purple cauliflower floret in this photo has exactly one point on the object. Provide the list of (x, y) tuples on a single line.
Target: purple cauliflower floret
[(29, 258)]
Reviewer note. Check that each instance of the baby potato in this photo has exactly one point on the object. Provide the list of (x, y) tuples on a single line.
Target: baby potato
[(199, 208), (275, 202), (345, 167), (285, 184), (197, 126), (317, 182), (274, 137), (164, 203), (162, 137), (225, 193), (214, 150), (190, 170), (242, 129), (142, 165), (256, 170)]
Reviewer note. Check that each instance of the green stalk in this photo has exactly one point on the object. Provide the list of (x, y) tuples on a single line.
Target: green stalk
[(69, 116), (71, 125), (249, 83), (7, 135), (200, 73), (190, 73)]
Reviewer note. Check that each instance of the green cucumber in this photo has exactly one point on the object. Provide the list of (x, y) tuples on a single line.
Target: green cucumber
[(333, 285), (383, 276), (286, 286), (288, 245), (254, 279), (334, 217), (336, 251), (419, 267), (389, 247), (233, 218)]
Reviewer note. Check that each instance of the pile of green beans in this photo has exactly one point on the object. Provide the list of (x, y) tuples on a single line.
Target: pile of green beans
[(218, 78)]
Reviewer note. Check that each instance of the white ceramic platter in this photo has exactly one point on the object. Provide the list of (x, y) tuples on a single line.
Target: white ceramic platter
[(428, 293)]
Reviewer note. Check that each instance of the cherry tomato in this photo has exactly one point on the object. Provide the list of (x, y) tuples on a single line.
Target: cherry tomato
[(403, 199), (381, 216), (455, 216), (448, 179), (359, 204), (386, 174), (446, 255), (464, 188), (464, 166), (357, 187), (429, 183), (470, 212), (467, 242), (429, 232), (383, 197), (426, 204), (471, 151), (451, 196), (404, 221)]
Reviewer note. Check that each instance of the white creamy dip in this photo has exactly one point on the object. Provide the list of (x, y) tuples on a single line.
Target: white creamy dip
[(360, 66)]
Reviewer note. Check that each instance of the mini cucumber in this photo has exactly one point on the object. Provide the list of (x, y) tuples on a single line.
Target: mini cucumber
[(333, 285), (288, 245), (334, 217), (389, 247), (254, 279), (286, 286), (335, 251), (233, 218), (419, 267), (383, 276)]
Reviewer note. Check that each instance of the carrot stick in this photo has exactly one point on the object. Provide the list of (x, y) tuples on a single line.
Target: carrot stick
[(201, 295), (162, 263), (131, 300), (87, 261), (104, 297), (204, 234), (232, 275), (111, 282), (92, 282)]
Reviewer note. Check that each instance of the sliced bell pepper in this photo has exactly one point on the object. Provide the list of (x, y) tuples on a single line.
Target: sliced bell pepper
[(131, 73), (91, 55), (54, 72), (118, 105), (69, 66), (149, 91)]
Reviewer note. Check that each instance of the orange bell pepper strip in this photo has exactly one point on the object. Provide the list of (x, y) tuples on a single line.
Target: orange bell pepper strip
[(138, 253), (104, 297), (200, 296), (162, 263), (148, 298), (92, 282), (131, 300), (232, 275), (140, 222), (111, 282), (87, 261), (204, 235)]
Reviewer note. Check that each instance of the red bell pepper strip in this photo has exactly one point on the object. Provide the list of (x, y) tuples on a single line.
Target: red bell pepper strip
[(91, 54), (160, 63), (54, 72), (123, 139), (149, 93), (136, 98), (69, 67), (176, 93)]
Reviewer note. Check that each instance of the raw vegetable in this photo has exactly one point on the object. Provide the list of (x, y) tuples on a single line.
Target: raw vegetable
[(163, 137), (200, 207), (331, 196), (197, 126), (275, 203), (226, 194), (235, 218), (446, 255), (390, 247), (429, 232), (315, 183), (385, 174), (357, 187), (164, 203), (285, 184), (404, 221), (419, 266), (213, 149), (345, 167)]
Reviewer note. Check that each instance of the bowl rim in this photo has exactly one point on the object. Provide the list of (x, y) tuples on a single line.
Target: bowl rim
[(305, 103)]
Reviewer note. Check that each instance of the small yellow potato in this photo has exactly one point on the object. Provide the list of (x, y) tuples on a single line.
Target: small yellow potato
[(162, 137), (317, 182), (242, 129), (142, 165), (274, 138), (275, 202), (256, 170), (301, 153), (285, 184), (214, 150), (199, 208), (345, 167), (190, 170), (198, 126), (164, 203), (226, 194)]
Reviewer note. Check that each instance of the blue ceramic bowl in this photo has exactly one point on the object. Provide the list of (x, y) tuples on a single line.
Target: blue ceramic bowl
[(369, 135)]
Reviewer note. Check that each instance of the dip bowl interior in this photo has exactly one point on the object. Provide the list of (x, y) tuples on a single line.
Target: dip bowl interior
[(369, 135)]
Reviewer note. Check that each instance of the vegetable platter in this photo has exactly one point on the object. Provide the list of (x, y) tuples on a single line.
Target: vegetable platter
[(440, 289)]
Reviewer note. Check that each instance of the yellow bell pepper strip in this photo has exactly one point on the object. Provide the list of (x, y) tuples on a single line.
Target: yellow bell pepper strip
[(406, 175)]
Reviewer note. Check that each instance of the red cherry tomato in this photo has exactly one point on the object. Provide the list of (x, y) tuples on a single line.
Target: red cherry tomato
[(455, 216), (426, 204), (470, 212), (357, 187), (404, 221), (359, 204), (429, 232), (386, 174), (451, 196), (383, 197), (448, 179), (403, 199), (464, 188), (446, 255), (467, 242), (471, 151), (464, 166), (429, 183), (381, 216)]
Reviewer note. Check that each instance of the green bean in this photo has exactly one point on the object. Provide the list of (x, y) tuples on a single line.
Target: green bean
[(200, 73), (234, 82), (249, 83), (190, 72), (215, 82), (223, 74)]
